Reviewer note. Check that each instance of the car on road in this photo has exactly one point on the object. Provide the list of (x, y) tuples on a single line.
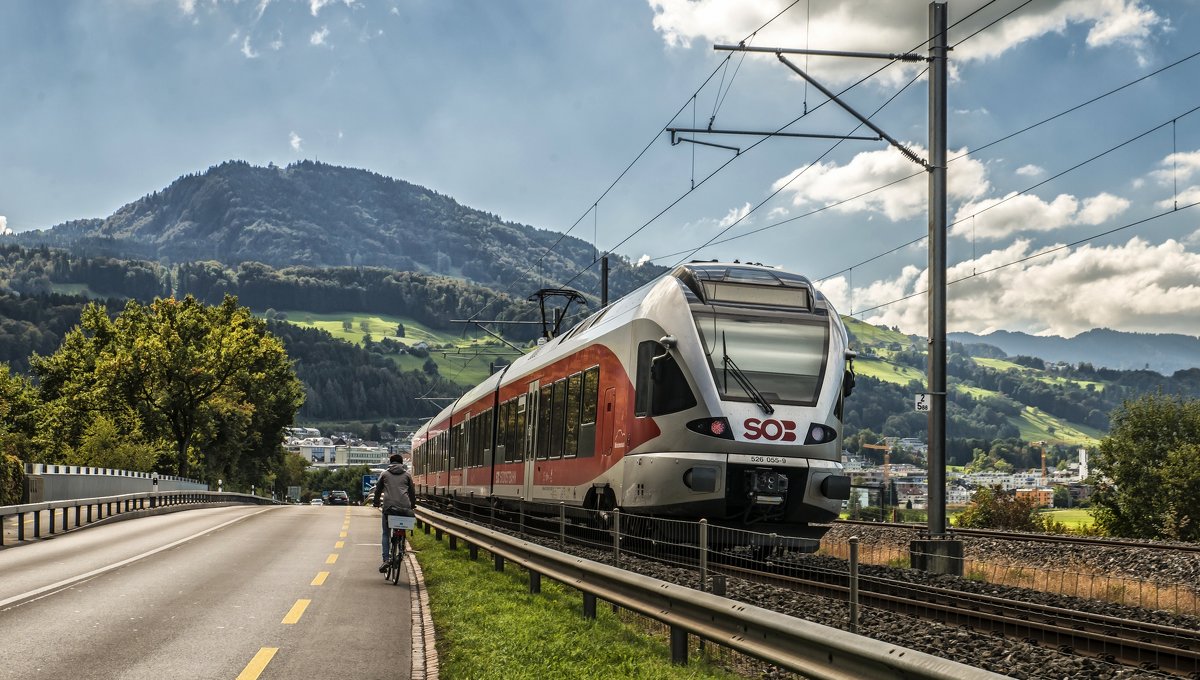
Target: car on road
[(339, 498), (316, 501)]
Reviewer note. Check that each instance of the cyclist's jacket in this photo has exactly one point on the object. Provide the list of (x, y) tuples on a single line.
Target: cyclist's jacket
[(396, 487)]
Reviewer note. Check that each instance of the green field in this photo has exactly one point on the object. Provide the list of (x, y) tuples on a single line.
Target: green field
[(1073, 519), (873, 336), (1000, 364), (465, 370), (1037, 425), (893, 373)]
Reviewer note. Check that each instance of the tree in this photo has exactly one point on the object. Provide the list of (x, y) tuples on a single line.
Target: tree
[(995, 508), (209, 383), (399, 330), (1148, 469)]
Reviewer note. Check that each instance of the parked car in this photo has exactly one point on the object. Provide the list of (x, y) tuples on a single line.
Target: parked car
[(339, 498), (316, 501)]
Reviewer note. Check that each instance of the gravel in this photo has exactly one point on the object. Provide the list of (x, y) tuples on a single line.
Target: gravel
[(1011, 657)]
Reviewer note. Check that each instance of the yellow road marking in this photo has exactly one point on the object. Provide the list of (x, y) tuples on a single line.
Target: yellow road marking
[(339, 544), (342, 535), (258, 664), (320, 579), (297, 611), (331, 559)]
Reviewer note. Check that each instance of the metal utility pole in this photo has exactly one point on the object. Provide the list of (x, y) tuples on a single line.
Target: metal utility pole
[(604, 281), (937, 269)]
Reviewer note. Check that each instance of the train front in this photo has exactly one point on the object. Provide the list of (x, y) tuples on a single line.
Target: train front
[(759, 444)]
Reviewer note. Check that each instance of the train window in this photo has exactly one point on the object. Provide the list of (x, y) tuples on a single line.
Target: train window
[(784, 360), (591, 394), (661, 386), (543, 422), (571, 442), (587, 420), (520, 447), (558, 419)]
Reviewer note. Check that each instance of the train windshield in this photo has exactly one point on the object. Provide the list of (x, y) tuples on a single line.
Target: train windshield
[(783, 359)]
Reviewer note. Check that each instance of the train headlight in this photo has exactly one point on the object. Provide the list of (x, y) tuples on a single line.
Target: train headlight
[(712, 427), (820, 434)]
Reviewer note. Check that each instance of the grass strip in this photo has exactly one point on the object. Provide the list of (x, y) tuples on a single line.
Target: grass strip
[(489, 626)]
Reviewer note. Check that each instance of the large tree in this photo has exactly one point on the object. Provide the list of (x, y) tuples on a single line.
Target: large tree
[(1148, 470), (209, 382)]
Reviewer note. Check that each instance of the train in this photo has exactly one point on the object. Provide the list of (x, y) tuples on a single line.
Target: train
[(715, 391)]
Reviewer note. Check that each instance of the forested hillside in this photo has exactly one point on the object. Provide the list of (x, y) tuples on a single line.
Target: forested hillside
[(318, 215)]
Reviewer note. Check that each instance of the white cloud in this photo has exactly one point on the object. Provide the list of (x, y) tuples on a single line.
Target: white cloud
[(777, 212), (642, 260), (893, 26), (734, 215), (277, 43), (997, 218), (318, 37), (294, 140), (188, 6), (248, 50), (1181, 166), (1030, 171), (1186, 197), (4, 230), (1155, 288), (317, 5), (829, 183), (262, 8)]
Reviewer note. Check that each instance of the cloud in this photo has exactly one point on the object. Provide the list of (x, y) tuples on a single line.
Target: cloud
[(277, 43), (317, 5), (874, 26), (262, 8), (1030, 171), (187, 6), (642, 260), (248, 50), (4, 230), (734, 215), (1186, 197), (1154, 288), (997, 218), (294, 140), (830, 183), (318, 37), (1181, 166)]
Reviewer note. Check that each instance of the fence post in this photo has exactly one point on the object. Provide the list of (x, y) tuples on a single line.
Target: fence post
[(854, 584), (616, 515), (679, 646), (703, 555), (562, 524)]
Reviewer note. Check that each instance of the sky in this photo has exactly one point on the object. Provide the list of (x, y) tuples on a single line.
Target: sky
[(1072, 129)]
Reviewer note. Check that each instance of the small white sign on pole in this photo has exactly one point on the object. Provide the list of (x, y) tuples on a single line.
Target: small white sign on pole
[(921, 403)]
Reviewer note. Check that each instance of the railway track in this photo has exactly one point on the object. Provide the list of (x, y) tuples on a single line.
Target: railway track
[(1037, 538), (1133, 643)]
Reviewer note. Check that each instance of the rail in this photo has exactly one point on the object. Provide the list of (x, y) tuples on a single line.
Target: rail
[(1035, 537), (91, 510), (794, 644)]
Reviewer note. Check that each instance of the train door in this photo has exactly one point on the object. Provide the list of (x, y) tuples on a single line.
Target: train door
[(607, 417), (528, 406)]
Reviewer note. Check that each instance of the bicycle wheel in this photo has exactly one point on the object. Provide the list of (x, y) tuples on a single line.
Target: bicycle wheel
[(397, 556)]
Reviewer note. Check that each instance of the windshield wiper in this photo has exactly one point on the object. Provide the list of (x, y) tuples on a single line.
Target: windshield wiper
[(742, 379)]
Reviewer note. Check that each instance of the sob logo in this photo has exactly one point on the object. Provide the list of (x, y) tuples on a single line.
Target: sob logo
[(771, 430)]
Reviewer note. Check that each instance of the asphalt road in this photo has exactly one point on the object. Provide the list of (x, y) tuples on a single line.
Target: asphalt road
[(233, 592)]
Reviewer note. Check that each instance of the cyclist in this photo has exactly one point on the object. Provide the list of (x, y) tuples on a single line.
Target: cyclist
[(396, 487)]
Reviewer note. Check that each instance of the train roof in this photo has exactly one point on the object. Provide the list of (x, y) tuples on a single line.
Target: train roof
[(691, 275)]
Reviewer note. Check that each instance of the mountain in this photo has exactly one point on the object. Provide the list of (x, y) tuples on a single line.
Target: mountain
[(1164, 353), (319, 215)]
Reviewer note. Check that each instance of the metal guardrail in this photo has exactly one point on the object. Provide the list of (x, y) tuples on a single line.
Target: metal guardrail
[(800, 646), (89, 510)]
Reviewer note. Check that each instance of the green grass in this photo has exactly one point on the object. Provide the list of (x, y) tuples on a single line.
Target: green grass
[(1000, 364), (490, 626), (1037, 425), (893, 373), (873, 336), (72, 289), (1075, 518), (460, 370)]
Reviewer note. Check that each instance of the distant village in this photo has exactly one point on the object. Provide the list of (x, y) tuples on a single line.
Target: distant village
[(339, 449), (873, 485)]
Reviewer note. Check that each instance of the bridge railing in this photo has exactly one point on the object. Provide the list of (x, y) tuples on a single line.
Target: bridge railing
[(57, 515)]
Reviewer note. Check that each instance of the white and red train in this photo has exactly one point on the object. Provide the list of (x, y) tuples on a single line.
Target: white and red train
[(714, 391)]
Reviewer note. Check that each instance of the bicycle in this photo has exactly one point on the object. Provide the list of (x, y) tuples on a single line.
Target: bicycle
[(399, 525)]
